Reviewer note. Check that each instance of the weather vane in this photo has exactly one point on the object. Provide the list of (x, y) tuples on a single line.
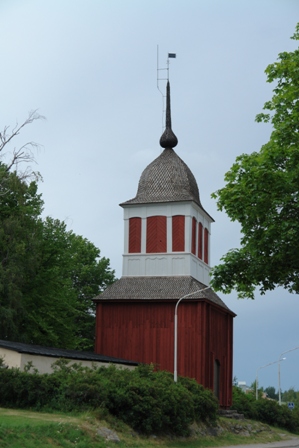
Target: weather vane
[(170, 56)]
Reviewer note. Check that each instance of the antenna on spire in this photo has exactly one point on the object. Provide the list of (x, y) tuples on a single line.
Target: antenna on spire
[(170, 56)]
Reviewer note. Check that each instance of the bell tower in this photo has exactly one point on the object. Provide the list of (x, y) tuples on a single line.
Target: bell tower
[(166, 229), (167, 258)]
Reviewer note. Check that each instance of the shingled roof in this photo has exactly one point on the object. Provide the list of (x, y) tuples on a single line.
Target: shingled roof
[(166, 179), (61, 353), (158, 288)]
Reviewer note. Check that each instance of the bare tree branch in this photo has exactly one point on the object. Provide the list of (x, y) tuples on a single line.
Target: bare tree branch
[(24, 154)]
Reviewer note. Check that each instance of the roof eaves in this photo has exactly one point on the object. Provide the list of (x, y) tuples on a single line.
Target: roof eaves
[(61, 353)]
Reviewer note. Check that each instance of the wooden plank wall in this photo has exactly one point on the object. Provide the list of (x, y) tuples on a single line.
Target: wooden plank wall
[(178, 233), (156, 234), (135, 235), (144, 332)]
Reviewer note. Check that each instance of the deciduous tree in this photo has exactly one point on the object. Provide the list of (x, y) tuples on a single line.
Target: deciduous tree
[(48, 274), (19, 157), (58, 297), (262, 194), (20, 207)]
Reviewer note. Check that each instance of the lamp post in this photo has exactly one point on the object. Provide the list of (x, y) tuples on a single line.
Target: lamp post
[(175, 372), (257, 381), (281, 359)]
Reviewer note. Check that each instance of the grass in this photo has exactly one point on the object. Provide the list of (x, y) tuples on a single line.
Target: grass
[(26, 429)]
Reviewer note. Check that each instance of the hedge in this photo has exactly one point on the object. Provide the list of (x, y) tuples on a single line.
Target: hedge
[(146, 399)]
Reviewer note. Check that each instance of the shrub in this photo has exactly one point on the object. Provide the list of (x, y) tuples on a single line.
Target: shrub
[(244, 403), (266, 411), (151, 402), (24, 390), (204, 401), (147, 400), (269, 411)]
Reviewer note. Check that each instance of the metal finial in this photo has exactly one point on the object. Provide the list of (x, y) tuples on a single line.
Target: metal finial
[(168, 138)]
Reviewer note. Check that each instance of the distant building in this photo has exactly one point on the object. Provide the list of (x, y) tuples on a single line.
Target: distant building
[(242, 385), (18, 355), (166, 257)]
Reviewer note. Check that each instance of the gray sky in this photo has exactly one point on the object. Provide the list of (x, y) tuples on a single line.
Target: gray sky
[(90, 66)]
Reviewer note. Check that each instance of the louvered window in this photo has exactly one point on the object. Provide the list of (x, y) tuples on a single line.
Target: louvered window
[(156, 234), (200, 235), (178, 233), (206, 246), (193, 240), (134, 235)]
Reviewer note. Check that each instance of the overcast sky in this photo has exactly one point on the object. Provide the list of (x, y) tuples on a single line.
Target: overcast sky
[(90, 67)]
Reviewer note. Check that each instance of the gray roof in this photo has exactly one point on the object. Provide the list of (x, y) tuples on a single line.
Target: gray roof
[(159, 288), (166, 179), (61, 353)]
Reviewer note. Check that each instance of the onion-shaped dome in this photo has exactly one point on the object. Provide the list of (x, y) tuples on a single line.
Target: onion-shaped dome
[(166, 179)]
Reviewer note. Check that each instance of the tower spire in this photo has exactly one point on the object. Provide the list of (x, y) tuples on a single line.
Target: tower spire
[(168, 138)]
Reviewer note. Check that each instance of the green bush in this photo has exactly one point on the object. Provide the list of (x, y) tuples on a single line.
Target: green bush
[(204, 401), (271, 412), (244, 403), (25, 390), (265, 410), (151, 402), (148, 400)]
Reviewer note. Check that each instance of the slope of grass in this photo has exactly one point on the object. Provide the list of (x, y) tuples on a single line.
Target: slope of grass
[(25, 429)]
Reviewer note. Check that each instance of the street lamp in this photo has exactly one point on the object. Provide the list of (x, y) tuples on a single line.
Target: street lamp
[(281, 359), (175, 372), (256, 381)]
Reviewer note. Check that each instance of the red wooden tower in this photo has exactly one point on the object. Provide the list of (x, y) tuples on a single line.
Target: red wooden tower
[(166, 257)]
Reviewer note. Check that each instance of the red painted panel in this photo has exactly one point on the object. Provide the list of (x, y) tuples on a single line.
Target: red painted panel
[(221, 349), (193, 240), (200, 235), (139, 332), (178, 233), (144, 332), (206, 246), (156, 234), (134, 235)]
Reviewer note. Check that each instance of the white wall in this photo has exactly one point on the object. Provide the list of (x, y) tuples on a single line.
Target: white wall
[(44, 363)]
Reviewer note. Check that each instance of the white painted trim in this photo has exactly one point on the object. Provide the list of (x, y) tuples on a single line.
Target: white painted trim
[(167, 264)]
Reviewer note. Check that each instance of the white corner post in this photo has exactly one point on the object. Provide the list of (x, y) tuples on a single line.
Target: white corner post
[(175, 368)]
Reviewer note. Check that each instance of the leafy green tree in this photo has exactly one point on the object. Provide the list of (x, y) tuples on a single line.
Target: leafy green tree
[(235, 381), (20, 206), (291, 395), (48, 275), (262, 194), (270, 391), (90, 275), (70, 273)]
